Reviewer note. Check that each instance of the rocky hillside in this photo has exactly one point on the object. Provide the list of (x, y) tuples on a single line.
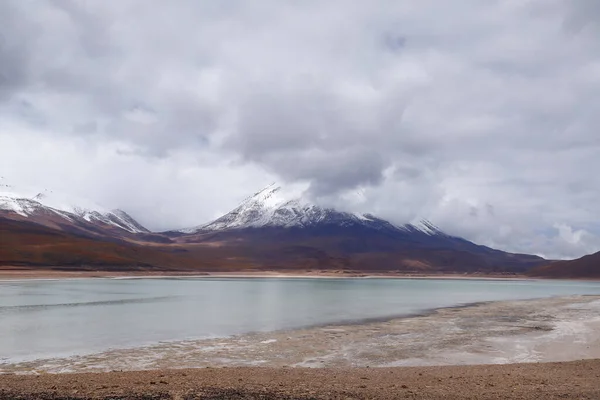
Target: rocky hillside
[(581, 268)]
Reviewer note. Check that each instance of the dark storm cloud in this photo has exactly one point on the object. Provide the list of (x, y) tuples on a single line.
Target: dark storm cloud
[(583, 14), (478, 115), (13, 58)]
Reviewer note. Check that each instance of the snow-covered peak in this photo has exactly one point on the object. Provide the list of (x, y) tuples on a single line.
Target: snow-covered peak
[(265, 207), (275, 207), (28, 202), (269, 197), (423, 226)]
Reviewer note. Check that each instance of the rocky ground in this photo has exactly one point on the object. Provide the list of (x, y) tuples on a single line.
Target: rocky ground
[(570, 380)]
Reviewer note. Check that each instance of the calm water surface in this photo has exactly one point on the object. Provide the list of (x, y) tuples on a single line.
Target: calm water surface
[(40, 319)]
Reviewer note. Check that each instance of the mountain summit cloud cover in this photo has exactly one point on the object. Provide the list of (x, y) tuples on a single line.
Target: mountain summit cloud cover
[(479, 116)]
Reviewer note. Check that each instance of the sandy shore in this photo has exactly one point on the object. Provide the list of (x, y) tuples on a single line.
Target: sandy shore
[(399, 358), (542, 330), (572, 380)]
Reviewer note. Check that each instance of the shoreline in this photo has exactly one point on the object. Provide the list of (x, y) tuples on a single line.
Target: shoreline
[(568, 380), (551, 329), (528, 349), (19, 274)]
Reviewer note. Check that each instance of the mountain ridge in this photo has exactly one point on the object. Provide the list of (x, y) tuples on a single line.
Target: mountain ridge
[(267, 231), (292, 231), (267, 208), (44, 206)]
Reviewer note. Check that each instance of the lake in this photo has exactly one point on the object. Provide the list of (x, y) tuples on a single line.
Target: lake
[(56, 318)]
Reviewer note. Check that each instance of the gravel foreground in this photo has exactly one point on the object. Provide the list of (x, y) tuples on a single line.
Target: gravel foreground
[(568, 380)]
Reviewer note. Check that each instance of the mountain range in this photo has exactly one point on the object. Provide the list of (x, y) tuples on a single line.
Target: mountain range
[(267, 231)]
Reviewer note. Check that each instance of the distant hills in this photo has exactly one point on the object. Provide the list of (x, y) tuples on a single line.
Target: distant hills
[(266, 232), (584, 267)]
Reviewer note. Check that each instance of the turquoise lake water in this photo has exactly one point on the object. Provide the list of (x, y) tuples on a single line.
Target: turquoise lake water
[(48, 318)]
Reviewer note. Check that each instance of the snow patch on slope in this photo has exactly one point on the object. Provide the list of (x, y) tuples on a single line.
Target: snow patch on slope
[(272, 207), (426, 227), (27, 202), (269, 206)]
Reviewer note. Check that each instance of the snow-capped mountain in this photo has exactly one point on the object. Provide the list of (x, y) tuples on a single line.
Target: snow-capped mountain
[(270, 207), (48, 204), (274, 230), (270, 230)]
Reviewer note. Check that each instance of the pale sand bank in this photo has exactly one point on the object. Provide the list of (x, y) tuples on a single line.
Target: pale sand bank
[(542, 330), (12, 274)]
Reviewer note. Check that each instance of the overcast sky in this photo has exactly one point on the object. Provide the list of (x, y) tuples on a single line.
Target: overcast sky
[(481, 115)]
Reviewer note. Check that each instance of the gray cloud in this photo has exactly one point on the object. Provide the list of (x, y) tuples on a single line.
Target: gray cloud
[(478, 115)]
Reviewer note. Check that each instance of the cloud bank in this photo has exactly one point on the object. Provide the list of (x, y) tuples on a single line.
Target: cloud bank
[(481, 116)]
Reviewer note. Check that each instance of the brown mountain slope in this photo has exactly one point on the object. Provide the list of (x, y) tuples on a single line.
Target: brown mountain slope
[(80, 227), (354, 249), (23, 243), (584, 267), (266, 232)]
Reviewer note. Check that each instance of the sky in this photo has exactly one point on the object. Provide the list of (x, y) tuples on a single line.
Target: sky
[(482, 116)]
